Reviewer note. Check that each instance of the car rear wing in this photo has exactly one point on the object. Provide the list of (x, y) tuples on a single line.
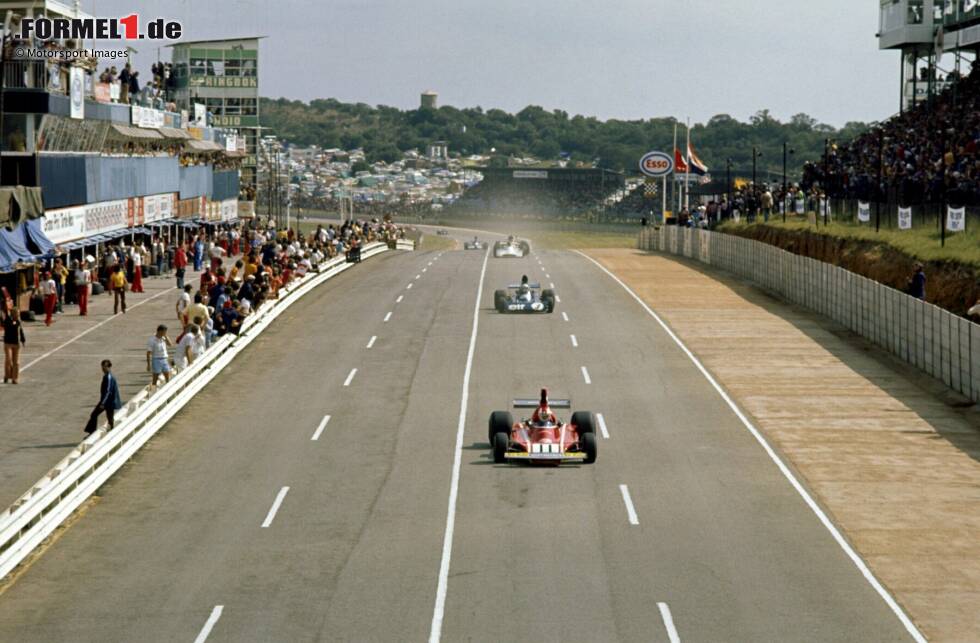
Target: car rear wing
[(534, 286), (533, 404)]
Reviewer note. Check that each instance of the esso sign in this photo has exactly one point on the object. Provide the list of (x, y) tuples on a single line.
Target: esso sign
[(656, 164)]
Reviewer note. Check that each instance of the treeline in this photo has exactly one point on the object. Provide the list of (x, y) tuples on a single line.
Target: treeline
[(385, 132)]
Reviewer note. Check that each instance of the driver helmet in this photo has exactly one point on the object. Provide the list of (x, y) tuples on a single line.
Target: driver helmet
[(543, 417), (510, 239)]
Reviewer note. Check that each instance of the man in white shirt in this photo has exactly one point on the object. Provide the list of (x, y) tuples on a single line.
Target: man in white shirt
[(184, 355), (183, 302), (157, 358)]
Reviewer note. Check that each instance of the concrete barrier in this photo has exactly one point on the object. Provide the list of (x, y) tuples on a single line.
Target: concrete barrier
[(930, 338), (53, 498)]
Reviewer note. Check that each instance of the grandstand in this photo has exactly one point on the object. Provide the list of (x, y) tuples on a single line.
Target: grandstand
[(551, 192)]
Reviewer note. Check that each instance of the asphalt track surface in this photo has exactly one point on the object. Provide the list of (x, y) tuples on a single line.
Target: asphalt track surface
[(198, 538)]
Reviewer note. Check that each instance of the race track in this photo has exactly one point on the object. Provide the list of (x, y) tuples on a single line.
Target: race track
[(683, 514)]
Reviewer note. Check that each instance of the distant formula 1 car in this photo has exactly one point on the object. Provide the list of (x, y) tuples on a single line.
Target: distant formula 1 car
[(476, 244), (524, 298), (543, 438), (511, 248)]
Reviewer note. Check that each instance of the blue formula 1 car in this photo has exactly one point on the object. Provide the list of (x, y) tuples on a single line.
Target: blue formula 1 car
[(524, 298)]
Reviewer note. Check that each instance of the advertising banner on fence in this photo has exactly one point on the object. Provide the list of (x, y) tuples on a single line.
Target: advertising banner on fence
[(64, 224), (956, 219), (905, 218), (76, 92), (864, 211)]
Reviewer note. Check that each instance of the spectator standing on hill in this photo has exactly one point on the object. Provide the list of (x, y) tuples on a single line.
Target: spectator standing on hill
[(124, 76), (917, 283), (134, 85), (157, 357), (13, 341), (109, 399)]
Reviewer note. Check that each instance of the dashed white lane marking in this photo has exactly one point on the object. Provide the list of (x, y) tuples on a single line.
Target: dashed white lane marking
[(387, 317), (275, 507), (807, 498), (424, 269), (350, 377), (408, 287), (564, 316), (89, 330), (212, 620), (430, 263), (630, 511), (418, 276), (585, 375), (399, 300), (319, 429), (574, 341), (447, 544), (558, 299), (547, 276), (551, 285), (542, 269), (373, 339), (669, 623), (602, 425)]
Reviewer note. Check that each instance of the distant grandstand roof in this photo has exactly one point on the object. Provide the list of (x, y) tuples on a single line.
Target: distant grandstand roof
[(184, 43)]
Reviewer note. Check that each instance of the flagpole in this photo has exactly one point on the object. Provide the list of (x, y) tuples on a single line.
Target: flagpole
[(675, 168), (687, 178)]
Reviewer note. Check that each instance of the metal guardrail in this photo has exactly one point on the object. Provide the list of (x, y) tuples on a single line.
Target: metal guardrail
[(52, 499), (930, 338)]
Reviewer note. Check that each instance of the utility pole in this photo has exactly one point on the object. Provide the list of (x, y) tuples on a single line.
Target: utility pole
[(880, 188)]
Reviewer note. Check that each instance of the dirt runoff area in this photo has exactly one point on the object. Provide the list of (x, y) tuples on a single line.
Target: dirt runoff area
[(891, 455)]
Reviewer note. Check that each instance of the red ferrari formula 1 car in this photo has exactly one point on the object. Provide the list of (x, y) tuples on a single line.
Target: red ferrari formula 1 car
[(543, 438)]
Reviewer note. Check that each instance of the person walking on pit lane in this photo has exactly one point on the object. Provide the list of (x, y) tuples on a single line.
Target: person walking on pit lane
[(118, 282), (13, 340), (180, 265), (109, 400), (49, 291), (82, 277)]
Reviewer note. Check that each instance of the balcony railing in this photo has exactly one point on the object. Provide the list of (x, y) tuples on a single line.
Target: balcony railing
[(36, 74)]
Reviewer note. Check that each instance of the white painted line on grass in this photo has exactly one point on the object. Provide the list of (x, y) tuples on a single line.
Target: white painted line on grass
[(669, 623), (206, 630), (399, 300), (447, 543), (807, 498), (585, 375), (350, 377), (630, 511), (387, 317), (574, 341), (564, 315), (319, 429), (275, 507), (602, 425), (373, 339)]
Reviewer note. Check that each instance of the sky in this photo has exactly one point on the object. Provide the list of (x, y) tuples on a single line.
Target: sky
[(624, 59)]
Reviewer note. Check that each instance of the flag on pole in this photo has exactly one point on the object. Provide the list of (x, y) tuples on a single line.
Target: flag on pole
[(680, 167), (697, 166)]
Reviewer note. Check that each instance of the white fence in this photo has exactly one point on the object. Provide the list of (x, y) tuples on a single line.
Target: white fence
[(37, 513), (932, 339)]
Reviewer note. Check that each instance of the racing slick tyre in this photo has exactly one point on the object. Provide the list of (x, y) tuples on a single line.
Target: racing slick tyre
[(500, 422), (500, 300), (584, 422), (500, 443), (590, 446), (548, 299), (525, 249)]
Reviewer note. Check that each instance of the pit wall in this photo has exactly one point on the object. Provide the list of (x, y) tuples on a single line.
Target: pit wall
[(934, 340)]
